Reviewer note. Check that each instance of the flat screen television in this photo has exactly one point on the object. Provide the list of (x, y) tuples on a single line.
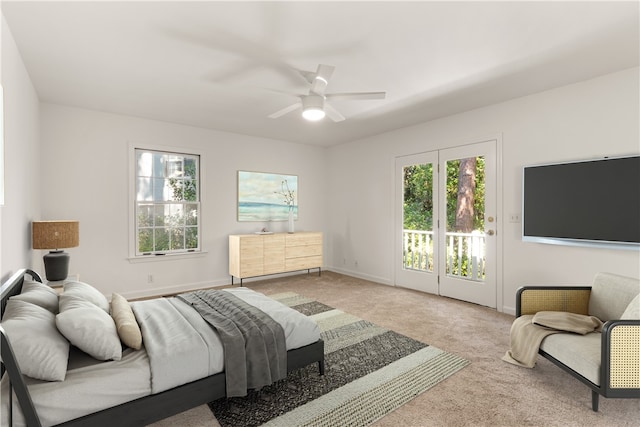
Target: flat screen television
[(587, 203)]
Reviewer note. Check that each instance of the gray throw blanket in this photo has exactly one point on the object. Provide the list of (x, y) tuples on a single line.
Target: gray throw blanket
[(527, 333), (254, 344)]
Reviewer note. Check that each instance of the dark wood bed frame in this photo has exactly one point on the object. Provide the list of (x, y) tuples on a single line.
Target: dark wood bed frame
[(144, 410)]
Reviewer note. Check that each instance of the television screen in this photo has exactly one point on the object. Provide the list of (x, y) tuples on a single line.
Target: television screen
[(585, 202)]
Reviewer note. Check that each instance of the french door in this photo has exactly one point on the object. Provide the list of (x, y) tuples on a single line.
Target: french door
[(446, 222), (416, 216)]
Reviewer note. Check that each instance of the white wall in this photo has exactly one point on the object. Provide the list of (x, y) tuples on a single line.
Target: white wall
[(85, 159), (21, 159), (595, 118)]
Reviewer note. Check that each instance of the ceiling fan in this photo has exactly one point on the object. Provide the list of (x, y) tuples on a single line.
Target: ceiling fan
[(314, 105)]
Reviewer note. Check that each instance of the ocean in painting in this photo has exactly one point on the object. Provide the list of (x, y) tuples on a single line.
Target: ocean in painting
[(255, 211)]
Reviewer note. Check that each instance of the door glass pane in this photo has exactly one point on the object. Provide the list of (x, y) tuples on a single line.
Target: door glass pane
[(417, 234), (464, 234)]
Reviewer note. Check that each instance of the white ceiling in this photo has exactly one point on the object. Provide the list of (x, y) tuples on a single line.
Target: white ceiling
[(228, 65)]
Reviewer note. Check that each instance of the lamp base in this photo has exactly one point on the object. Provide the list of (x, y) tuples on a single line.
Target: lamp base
[(56, 265)]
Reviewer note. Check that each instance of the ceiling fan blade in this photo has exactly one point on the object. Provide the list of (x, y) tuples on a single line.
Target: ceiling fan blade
[(253, 54), (321, 78), (332, 113), (357, 95), (286, 110)]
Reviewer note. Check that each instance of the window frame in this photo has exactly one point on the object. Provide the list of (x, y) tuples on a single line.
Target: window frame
[(134, 255)]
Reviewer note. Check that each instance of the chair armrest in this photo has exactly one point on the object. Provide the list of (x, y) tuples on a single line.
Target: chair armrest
[(621, 355), (532, 299)]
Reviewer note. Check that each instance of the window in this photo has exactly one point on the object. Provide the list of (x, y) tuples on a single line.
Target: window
[(167, 207)]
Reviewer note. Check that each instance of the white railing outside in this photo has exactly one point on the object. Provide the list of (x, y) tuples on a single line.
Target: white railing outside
[(465, 254), (417, 253)]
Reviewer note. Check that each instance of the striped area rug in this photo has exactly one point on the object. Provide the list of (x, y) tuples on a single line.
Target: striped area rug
[(370, 371)]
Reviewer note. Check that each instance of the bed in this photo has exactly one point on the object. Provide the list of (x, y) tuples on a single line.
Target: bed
[(128, 389)]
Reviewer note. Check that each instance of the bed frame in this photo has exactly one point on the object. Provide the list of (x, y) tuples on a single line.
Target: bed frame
[(144, 410)]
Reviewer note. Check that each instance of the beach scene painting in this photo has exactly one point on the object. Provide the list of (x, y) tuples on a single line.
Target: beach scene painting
[(266, 196)]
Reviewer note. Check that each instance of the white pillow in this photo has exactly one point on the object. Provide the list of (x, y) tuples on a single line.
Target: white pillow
[(38, 294), (41, 351), (89, 328), (633, 309), (87, 292), (126, 324)]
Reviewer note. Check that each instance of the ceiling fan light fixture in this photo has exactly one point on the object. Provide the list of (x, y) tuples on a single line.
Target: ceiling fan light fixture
[(313, 108), (313, 114)]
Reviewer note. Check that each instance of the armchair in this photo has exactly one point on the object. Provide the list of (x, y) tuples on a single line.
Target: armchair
[(607, 362)]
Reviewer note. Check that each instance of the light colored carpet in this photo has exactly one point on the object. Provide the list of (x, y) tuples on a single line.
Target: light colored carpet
[(488, 392)]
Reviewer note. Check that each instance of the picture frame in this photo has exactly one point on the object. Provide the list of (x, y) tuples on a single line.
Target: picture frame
[(264, 196)]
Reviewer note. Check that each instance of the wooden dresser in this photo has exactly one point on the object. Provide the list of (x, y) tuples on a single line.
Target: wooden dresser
[(252, 255)]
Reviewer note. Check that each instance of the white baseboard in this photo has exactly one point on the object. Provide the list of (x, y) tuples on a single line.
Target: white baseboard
[(509, 310), (359, 275)]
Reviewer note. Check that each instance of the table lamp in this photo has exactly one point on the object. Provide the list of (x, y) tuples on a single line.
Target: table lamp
[(56, 235)]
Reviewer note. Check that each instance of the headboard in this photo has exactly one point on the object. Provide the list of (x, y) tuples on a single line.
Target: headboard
[(12, 287)]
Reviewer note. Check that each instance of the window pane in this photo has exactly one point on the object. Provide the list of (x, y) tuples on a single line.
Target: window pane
[(191, 216), (144, 190), (145, 240), (177, 238), (157, 191), (190, 189), (144, 162), (191, 237), (173, 166), (145, 217), (162, 239), (174, 215), (159, 216), (176, 189), (158, 165), (418, 233), (190, 167), (465, 218)]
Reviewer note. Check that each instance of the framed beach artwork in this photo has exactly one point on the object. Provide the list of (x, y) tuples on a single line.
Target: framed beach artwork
[(266, 196)]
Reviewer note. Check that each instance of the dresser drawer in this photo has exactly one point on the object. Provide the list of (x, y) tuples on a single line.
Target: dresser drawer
[(303, 251), (303, 239), (293, 264)]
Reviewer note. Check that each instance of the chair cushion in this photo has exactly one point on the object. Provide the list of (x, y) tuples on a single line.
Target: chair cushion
[(633, 309), (611, 295), (579, 352)]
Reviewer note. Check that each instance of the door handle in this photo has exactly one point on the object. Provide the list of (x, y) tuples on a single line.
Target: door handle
[(491, 232)]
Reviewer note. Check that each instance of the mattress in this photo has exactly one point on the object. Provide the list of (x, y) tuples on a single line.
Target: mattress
[(183, 340)]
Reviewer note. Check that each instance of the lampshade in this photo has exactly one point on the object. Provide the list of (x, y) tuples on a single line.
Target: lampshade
[(55, 234)]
